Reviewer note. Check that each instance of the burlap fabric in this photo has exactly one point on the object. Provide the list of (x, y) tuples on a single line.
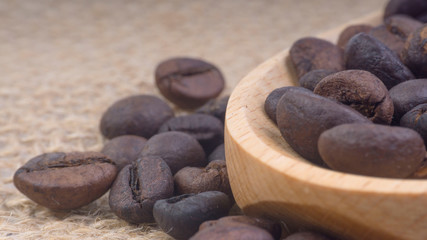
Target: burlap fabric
[(62, 63)]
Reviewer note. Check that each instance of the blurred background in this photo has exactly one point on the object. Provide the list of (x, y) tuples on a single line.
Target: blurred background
[(62, 63)]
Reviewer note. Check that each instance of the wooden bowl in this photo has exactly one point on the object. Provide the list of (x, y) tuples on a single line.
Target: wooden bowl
[(269, 179)]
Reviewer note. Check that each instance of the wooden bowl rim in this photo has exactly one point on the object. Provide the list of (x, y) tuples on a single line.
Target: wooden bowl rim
[(299, 169)]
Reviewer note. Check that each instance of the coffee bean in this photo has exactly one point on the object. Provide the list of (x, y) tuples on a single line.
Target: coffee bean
[(217, 154), (215, 107), (140, 115), (177, 149), (64, 181), (372, 150), (416, 119), (124, 149), (232, 230), (413, 8), (306, 236), (187, 82), (208, 130), (309, 54), (213, 177), (394, 42), (181, 216), (364, 52), (414, 55), (402, 25), (408, 95), (270, 104), (312, 78), (270, 226), (302, 116), (362, 91), (138, 186), (350, 31)]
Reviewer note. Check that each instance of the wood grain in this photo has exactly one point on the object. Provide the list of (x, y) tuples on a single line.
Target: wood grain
[(269, 179)]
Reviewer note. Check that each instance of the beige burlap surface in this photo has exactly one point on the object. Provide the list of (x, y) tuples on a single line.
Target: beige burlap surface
[(62, 63)]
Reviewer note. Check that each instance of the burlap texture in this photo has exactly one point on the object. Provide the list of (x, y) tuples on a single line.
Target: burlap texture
[(62, 63)]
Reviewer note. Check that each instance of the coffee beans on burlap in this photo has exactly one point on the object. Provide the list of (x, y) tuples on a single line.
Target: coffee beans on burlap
[(64, 181)]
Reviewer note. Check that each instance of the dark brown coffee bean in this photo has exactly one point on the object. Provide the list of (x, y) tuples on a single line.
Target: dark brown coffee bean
[(414, 54), (408, 95), (302, 116), (124, 149), (215, 107), (270, 226), (416, 119), (177, 149), (181, 216), (217, 154), (232, 231), (187, 82), (138, 186), (270, 104), (208, 130), (372, 150), (312, 78), (63, 181), (350, 31), (140, 115), (306, 236), (362, 91), (422, 18), (213, 177), (413, 8), (364, 52), (402, 25), (309, 54), (394, 42)]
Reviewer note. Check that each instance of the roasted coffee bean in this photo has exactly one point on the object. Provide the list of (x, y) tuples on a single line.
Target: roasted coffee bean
[(232, 231), (270, 226), (310, 53), (394, 42), (414, 54), (124, 149), (208, 130), (362, 91), (402, 25), (413, 8), (215, 107), (364, 52), (270, 104), (177, 149), (302, 116), (64, 181), (372, 150), (307, 236), (217, 154), (187, 82), (138, 186), (408, 95), (350, 31), (213, 177), (181, 216), (312, 78), (416, 119), (140, 115)]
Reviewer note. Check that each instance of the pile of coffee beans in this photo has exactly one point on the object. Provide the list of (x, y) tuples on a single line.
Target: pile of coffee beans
[(158, 167), (361, 106)]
